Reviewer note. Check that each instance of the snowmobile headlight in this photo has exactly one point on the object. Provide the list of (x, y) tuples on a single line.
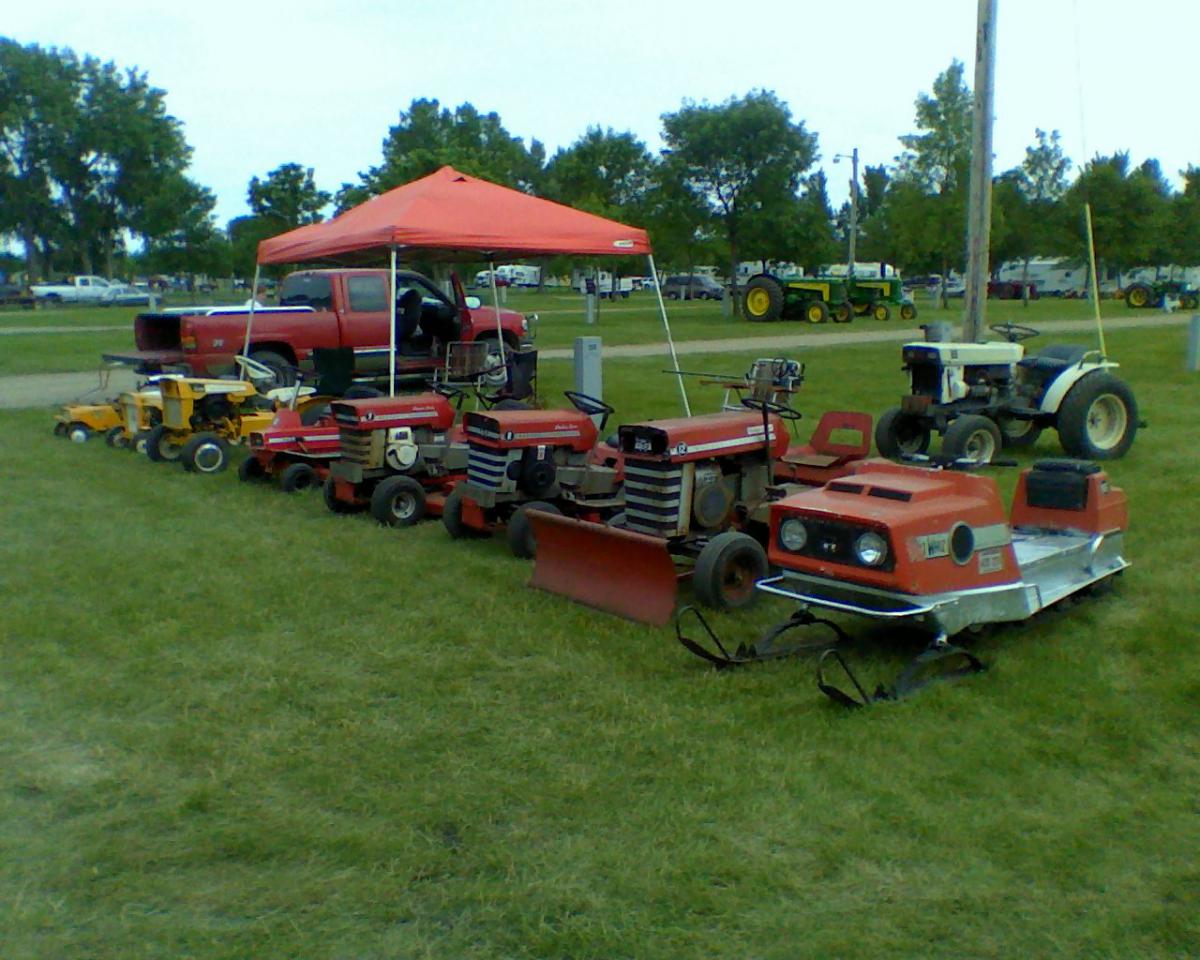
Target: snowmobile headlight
[(793, 535), (871, 549)]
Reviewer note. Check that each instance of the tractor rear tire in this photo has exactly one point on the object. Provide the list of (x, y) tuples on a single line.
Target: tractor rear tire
[(1018, 434), (1139, 295), (972, 437), (520, 531), (398, 501), (816, 311), (881, 312), (251, 469), (899, 434), (452, 519), (727, 569), (297, 477), (329, 493), (763, 301), (115, 437), (161, 446), (843, 312), (205, 452), (1098, 418)]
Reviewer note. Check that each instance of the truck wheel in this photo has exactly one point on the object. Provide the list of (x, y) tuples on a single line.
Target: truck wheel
[(161, 446), (78, 432), (452, 518), (843, 312), (297, 477), (972, 437), (115, 438), (881, 312), (816, 311), (520, 531), (899, 434), (398, 502), (329, 493), (763, 301), (727, 569), (1138, 295), (1098, 418), (251, 469), (205, 453), (285, 373), (908, 311), (1017, 433)]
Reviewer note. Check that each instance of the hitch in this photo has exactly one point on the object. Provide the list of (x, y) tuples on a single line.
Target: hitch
[(715, 652), (916, 676)]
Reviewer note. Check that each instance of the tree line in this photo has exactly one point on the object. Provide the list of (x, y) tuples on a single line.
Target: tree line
[(90, 159)]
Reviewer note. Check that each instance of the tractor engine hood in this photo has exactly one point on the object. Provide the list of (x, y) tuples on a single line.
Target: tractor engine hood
[(377, 413), (512, 429), (703, 437)]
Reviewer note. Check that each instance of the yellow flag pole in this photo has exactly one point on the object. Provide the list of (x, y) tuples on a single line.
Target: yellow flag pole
[(1087, 209)]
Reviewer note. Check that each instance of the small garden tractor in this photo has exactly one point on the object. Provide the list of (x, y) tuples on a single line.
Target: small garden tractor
[(929, 547), (697, 493), (80, 421), (1139, 295), (201, 418), (984, 396), (535, 460), (296, 449)]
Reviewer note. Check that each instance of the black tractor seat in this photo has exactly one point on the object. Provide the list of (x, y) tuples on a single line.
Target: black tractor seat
[(1054, 358)]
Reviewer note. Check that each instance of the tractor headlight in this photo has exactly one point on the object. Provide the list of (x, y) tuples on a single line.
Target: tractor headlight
[(793, 535), (871, 549)]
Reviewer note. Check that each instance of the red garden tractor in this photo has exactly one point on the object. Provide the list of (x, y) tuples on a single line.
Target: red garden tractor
[(297, 449)]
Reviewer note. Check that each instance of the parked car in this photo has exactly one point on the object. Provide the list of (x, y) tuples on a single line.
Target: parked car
[(694, 287), (125, 295)]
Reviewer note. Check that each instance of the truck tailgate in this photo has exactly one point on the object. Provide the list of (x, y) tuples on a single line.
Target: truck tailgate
[(147, 361)]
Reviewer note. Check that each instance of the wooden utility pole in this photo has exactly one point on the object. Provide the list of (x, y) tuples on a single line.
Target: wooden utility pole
[(979, 214)]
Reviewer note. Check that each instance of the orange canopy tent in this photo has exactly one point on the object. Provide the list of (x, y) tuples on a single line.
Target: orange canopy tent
[(452, 216)]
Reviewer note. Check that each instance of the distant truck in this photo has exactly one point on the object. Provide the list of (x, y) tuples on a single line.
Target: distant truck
[(325, 309), (606, 285), (511, 275), (81, 289)]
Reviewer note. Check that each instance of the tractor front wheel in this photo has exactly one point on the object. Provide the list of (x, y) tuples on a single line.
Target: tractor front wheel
[(398, 502), (1018, 433), (251, 469), (1098, 418), (521, 540), (206, 452), (816, 311), (138, 443), (452, 518), (899, 434), (843, 312), (972, 437), (727, 569), (908, 311), (78, 432), (1138, 295), (60, 429), (115, 438), (881, 312), (763, 301), (335, 505), (297, 477), (161, 445)]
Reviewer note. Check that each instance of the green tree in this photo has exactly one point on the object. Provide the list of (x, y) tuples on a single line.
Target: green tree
[(428, 137), (288, 197), (603, 172), (1185, 227), (742, 158)]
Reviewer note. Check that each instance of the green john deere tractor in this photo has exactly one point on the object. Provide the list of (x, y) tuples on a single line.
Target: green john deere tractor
[(1152, 294), (817, 299)]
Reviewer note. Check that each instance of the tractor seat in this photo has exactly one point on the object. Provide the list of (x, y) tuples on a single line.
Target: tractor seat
[(1054, 358)]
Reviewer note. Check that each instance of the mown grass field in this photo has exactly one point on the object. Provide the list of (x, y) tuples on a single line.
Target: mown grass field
[(235, 725), (561, 319)]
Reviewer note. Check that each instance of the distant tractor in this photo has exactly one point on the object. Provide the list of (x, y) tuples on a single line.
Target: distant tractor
[(817, 299), (1144, 295)]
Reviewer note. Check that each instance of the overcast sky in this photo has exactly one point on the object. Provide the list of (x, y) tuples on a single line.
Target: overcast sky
[(258, 84)]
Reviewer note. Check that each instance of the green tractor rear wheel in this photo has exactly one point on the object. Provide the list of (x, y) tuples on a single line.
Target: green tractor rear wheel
[(1138, 295), (763, 300)]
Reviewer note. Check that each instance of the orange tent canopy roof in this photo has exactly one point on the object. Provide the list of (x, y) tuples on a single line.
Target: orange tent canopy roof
[(449, 215)]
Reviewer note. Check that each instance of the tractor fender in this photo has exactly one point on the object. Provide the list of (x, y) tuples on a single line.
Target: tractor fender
[(1067, 379)]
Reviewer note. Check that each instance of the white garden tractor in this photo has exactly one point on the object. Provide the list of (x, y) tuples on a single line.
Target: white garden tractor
[(984, 396)]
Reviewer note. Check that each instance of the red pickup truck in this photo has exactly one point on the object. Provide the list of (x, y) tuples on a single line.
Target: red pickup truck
[(324, 308)]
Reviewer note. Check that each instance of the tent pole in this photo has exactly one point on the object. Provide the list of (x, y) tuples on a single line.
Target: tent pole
[(250, 315), (496, 304), (662, 308), (392, 330)]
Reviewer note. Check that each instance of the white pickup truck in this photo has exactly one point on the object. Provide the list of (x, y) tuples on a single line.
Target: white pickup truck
[(81, 289)]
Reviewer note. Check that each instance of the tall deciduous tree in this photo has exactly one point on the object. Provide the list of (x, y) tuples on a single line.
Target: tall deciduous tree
[(603, 172), (743, 157), (288, 197)]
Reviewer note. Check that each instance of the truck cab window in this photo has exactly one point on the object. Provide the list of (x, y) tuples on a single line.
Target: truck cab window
[(368, 294), (307, 290)]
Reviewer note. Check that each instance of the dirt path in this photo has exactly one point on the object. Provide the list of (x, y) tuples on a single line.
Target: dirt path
[(50, 389)]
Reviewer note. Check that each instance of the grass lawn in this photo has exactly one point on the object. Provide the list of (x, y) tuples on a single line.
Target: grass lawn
[(235, 725)]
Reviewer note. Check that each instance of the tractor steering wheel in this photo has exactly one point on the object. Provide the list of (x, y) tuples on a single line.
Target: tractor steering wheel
[(253, 369), (590, 406), (1014, 332), (771, 406)]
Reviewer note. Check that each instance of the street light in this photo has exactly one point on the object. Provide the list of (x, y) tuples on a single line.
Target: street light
[(853, 158)]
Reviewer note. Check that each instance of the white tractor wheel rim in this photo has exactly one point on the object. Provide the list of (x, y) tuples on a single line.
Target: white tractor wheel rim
[(167, 450), (499, 377), (1106, 421), (79, 436), (208, 458), (980, 446), (404, 505)]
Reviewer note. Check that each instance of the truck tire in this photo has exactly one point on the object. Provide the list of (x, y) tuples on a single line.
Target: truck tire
[(972, 437), (728, 567), (1098, 418), (520, 531), (161, 446), (205, 452), (899, 434), (297, 477), (763, 301), (285, 373), (398, 502)]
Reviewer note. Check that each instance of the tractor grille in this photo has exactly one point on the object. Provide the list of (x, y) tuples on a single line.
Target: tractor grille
[(356, 446), (486, 467), (654, 498), (131, 417), (173, 412)]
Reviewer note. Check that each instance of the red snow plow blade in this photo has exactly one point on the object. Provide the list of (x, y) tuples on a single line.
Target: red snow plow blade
[(615, 570)]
